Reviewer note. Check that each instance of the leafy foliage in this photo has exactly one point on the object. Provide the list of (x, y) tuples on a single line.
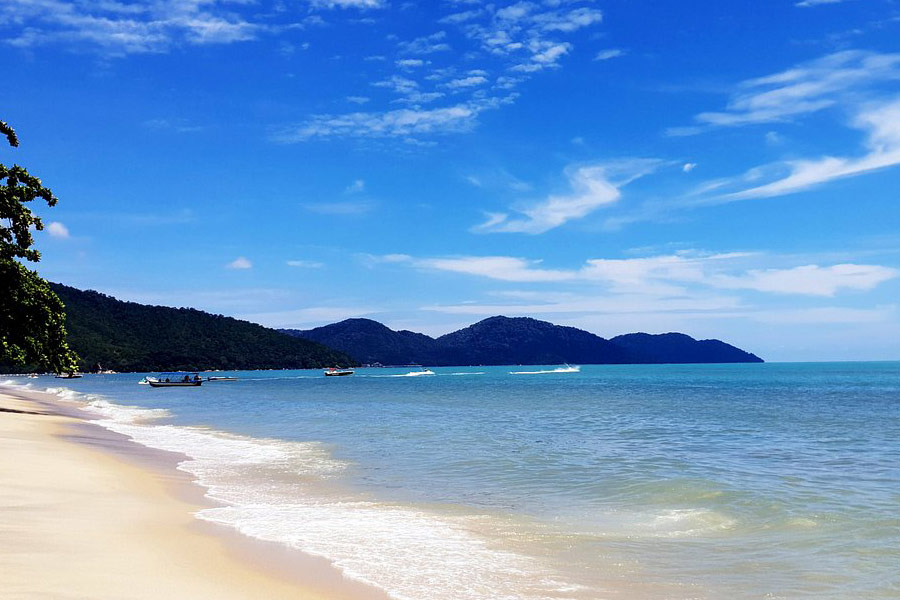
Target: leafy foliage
[(127, 336), (32, 332), (18, 187)]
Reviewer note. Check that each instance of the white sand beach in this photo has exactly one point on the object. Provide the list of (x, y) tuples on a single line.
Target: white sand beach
[(81, 519)]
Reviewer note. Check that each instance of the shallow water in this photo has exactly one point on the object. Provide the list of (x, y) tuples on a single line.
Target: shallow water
[(663, 481)]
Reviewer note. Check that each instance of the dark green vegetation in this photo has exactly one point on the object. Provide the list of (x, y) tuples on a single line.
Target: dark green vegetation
[(31, 316), (126, 336), (516, 341)]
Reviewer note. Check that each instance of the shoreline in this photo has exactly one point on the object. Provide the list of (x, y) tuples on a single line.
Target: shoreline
[(89, 513)]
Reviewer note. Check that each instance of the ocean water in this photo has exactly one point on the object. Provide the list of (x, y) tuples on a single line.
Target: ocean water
[(640, 482)]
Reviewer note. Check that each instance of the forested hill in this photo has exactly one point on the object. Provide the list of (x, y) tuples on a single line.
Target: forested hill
[(516, 341), (126, 336)]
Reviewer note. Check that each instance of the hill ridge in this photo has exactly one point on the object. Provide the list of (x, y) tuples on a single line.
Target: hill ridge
[(129, 336), (516, 340)]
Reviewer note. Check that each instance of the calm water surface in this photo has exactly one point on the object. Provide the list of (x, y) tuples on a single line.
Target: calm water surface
[(656, 482)]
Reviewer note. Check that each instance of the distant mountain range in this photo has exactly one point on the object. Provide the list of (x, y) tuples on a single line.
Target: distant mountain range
[(126, 336), (515, 341)]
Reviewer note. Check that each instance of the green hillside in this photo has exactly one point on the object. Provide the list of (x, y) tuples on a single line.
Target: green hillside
[(126, 336)]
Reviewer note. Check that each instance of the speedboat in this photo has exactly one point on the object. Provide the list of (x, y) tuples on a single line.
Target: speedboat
[(337, 372), (175, 379), (420, 373), (69, 376), (221, 378)]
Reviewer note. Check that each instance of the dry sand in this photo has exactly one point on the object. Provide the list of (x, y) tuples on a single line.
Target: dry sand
[(80, 519)]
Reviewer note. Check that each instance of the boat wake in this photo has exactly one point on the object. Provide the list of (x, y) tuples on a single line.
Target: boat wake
[(566, 369)]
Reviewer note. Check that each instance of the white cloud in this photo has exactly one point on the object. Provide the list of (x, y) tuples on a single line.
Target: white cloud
[(592, 186), (240, 263), (827, 315), (668, 275), (306, 317), (358, 99), (409, 63), (809, 279), (808, 3), (882, 124), (610, 53), (348, 3), (354, 188), (503, 268), (117, 28), (461, 17), (428, 44), (466, 82), (360, 207), (804, 89), (58, 230), (402, 123), (305, 264), (688, 167)]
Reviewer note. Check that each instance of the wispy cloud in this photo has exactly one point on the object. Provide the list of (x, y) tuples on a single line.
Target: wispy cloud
[(667, 275), (499, 48), (118, 28), (592, 186), (882, 125), (358, 207), (608, 54), (348, 3), (428, 44), (240, 262), (835, 79), (306, 317), (356, 187), (58, 230), (809, 279), (305, 264), (400, 123), (808, 3)]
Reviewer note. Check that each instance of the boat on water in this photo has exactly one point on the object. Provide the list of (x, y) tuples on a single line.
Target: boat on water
[(337, 372), (221, 378), (175, 379), (565, 369), (420, 373), (69, 376)]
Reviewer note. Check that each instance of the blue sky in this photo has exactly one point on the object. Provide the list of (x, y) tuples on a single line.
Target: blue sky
[(724, 169)]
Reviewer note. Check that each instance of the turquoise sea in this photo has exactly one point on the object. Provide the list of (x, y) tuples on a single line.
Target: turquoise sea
[(650, 482)]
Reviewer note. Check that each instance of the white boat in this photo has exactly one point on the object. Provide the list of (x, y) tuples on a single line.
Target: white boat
[(221, 378), (420, 373), (337, 372), (566, 369)]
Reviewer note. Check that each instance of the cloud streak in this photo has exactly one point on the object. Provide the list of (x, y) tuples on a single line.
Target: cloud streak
[(592, 186), (668, 275)]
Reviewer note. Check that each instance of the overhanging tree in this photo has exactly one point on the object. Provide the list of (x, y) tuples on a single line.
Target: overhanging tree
[(32, 317)]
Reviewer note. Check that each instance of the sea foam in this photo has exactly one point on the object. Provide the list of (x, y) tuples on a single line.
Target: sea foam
[(277, 490)]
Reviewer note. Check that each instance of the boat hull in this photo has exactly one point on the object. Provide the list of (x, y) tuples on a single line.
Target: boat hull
[(174, 383)]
